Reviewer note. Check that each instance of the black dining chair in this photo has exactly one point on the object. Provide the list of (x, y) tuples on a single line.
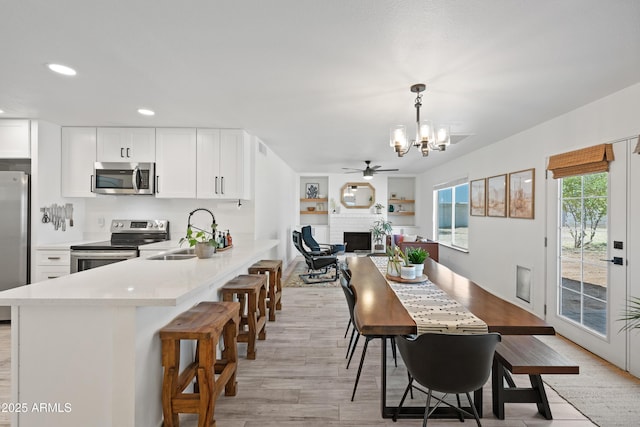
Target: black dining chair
[(449, 364), (345, 282)]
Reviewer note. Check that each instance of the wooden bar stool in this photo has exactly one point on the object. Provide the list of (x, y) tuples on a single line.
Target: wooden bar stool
[(253, 313), (274, 269), (205, 323)]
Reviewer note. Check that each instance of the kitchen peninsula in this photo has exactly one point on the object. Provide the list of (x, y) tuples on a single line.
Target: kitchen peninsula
[(86, 345)]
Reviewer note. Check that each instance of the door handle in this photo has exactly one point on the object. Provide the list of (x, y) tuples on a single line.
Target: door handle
[(615, 260)]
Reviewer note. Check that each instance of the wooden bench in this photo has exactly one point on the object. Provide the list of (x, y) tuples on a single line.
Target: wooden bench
[(273, 268), (205, 323), (525, 354), (251, 291)]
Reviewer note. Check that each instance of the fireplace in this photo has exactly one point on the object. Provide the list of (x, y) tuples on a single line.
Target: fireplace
[(357, 241)]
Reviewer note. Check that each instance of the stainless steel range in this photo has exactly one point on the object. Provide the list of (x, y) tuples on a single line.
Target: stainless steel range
[(126, 236)]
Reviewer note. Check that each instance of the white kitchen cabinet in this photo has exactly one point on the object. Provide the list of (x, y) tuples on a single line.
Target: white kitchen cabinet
[(78, 158), (126, 145), (223, 170), (175, 163), (14, 139), (51, 264)]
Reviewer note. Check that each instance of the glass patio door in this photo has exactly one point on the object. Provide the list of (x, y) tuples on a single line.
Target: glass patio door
[(586, 266)]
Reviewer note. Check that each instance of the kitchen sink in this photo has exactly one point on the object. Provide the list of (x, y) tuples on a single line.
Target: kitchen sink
[(185, 251), (173, 257)]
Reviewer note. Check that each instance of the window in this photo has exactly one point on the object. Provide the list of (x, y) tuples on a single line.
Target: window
[(583, 232), (452, 215)]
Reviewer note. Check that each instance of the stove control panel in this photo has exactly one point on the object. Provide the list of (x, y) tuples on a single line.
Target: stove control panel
[(139, 225)]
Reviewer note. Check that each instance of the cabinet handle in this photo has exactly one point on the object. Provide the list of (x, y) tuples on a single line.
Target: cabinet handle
[(216, 186), (121, 152), (128, 149), (51, 277), (53, 258), (222, 184), (91, 183), (158, 184)]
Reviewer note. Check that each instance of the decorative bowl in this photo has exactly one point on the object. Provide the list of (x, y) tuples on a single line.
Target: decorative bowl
[(311, 208)]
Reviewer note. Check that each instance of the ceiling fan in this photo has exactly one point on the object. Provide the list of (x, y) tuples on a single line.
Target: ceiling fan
[(369, 171)]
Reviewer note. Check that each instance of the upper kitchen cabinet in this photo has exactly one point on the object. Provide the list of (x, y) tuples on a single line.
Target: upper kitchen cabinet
[(175, 163), (126, 145), (14, 139), (224, 164), (78, 158)]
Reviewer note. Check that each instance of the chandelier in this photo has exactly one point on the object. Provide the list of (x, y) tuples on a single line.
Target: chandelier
[(428, 137)]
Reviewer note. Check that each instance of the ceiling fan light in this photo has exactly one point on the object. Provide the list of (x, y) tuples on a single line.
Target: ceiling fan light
[(368, 176)]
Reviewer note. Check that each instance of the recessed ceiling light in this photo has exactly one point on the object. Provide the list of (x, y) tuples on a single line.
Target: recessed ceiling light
[(1, 112), (62, 69), (146, 112)]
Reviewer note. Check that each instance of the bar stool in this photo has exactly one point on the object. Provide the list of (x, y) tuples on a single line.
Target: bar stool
[(274, 269), (205, 323), (253, 313)]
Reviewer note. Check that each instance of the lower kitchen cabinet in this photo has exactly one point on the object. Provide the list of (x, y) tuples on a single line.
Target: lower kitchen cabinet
[(51, 263)]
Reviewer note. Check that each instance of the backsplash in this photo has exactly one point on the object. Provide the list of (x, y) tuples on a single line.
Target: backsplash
[(100, 211)]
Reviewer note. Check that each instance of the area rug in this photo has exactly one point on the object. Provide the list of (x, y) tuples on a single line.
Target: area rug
[(294, 280), (602, 392)]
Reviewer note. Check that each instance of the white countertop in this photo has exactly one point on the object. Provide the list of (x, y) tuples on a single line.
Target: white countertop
[(138, 282)]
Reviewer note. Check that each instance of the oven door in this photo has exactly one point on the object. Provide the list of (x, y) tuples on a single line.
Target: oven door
[(87, 259), (123, 178)]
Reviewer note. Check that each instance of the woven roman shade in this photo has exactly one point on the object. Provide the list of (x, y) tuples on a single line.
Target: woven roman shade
[(579, 162)]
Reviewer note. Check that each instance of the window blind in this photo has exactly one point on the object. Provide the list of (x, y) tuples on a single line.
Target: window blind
[(579, 162)]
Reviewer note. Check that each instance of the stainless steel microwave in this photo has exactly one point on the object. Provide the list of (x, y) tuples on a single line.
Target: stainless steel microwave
[(123, 178)]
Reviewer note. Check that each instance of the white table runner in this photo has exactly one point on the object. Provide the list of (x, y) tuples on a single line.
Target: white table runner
[(431, 308)]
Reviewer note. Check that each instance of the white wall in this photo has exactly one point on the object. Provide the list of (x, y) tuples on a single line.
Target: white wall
[(275, 200), (497, 245)]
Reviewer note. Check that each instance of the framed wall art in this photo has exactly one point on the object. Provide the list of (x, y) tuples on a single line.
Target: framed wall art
[(497, 196), (522, 194), (312, 190), (478, 197)]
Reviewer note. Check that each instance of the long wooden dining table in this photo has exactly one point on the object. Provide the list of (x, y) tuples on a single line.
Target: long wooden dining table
[(379, 313)]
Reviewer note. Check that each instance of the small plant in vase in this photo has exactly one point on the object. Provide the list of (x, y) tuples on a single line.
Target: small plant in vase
[(398, 264), (416, 257), (394, 262), (379, 207)]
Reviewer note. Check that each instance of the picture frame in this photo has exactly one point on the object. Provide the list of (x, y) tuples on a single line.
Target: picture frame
[(478, 197), (522, 194), (312, 190), (497, 196)]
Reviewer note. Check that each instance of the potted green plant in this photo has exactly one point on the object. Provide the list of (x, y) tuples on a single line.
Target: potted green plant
[(407, 270), (416, 257), (631, 315), (204, 242), (379, 230), (378, 207)]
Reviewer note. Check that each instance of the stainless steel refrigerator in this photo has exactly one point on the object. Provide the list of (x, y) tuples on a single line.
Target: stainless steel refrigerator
[(14, 233)]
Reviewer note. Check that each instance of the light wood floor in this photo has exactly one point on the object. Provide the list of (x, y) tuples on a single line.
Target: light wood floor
[(299, 376)]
